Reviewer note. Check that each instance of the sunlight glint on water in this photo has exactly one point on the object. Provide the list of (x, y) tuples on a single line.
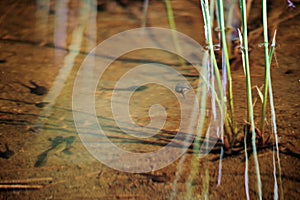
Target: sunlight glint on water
[(74, 48)]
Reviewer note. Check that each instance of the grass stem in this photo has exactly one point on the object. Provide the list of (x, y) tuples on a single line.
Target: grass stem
[(250, 113), (172, 25), (274, 129), (220, 8), (267, 66)]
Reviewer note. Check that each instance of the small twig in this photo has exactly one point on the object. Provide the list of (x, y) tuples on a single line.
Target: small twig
[(32, 180), (21, 186)]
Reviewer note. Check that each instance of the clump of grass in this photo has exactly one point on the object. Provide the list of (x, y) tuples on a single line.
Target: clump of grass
[(249, 130), (223, 88), (222, 93)]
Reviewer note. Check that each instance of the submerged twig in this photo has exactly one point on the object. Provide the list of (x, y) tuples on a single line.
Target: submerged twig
[(18, 186), (22, 183), (30, 180)]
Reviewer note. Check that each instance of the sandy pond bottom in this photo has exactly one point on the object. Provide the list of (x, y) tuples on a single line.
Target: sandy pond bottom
[(49, 155)]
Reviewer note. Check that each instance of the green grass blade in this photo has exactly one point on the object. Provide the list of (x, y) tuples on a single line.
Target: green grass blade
[(267, 65), (226, 55), (274, 127), (249, 93), (172, 25)]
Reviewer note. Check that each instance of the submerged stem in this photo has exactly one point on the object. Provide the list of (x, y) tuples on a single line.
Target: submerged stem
[(172, 25), (267, 66), (274, 130), (225, 52), (249, 94)]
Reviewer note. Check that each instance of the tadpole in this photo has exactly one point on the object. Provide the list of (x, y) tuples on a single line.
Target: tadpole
[(182, 88), (35, 88), (7, 153)]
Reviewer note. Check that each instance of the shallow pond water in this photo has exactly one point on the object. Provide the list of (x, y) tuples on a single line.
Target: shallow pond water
[(56, 138)]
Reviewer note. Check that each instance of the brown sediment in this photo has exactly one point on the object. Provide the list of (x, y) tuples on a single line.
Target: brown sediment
[(27, 54)]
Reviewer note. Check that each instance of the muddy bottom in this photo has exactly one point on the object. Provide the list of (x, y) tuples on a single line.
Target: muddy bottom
[(63, 123)]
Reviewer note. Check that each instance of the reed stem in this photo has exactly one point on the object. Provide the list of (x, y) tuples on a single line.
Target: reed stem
[(172, 25), (220, 8), (250, 113), (267, 66)]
